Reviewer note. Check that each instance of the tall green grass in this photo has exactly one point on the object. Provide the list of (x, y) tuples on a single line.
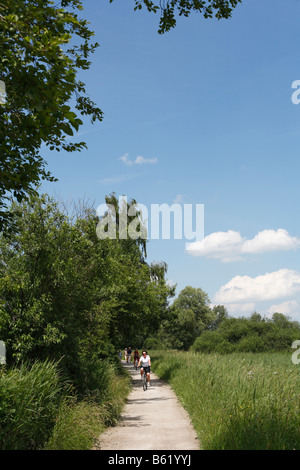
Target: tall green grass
[(80, 422), (30, 397), (39, 409), (237, 401)]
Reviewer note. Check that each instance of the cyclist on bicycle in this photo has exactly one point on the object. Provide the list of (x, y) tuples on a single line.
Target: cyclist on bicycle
[(145, 363), (136, 356)]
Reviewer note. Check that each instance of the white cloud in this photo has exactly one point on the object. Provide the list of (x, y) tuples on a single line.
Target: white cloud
[(138, 161), (231, 246), (275, 285), (289, 307), (125, 159), (271, 240), (141, 160), (246, 308), (225, 246)]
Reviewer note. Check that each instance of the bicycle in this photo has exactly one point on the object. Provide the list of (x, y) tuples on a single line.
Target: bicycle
[(136, 361), (145, 381)]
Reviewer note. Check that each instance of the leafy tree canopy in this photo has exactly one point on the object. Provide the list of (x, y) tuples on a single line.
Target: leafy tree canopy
[(189, 316), (65, 293), (43, 45), (168, 8)]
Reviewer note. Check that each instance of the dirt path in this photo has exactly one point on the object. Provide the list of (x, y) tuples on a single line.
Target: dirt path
[(151, 420)]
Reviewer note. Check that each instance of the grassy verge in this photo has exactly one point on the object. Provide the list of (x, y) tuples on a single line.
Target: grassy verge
[(39, 409), (79, 424), (237, 401), (29, 400)]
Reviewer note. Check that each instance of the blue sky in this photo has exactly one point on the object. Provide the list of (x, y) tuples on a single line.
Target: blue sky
[(208, 107)]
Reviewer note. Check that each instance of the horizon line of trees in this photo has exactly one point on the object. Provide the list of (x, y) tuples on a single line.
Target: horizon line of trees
[(192, 324), (68, 296)]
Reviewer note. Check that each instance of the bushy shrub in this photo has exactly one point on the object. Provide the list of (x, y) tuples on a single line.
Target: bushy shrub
[(233, 329), (39, 409), (251, 343), (254, 334), (212, 341), (278, 339), (153, 343)]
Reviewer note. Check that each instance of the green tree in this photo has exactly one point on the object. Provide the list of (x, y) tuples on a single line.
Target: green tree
[(281, 321), (140, 297), (234, 329), (168, 8), (43, 46), (188, 317), (67, 294), (220, 313), (44, 285), (44, 95)]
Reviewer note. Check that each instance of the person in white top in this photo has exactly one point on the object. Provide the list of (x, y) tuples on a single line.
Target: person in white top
[(145, 363)]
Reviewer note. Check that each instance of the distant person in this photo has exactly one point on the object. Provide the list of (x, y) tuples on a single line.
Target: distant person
[(136, 357), (145, 363), (120, 354), (129, 353), (125, 354)]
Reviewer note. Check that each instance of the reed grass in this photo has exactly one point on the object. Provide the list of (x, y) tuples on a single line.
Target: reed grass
[(39, 409), (80, 423), (240, 401), (30, 397)]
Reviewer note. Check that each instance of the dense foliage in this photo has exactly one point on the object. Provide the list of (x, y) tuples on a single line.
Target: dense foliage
[(43, 45), (253, 334), (192, 323), (39, 409), (188, 316), (67, 295), (169, 9)]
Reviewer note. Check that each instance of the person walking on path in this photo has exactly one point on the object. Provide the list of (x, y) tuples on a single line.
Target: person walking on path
[(136, 357), (129, 353)]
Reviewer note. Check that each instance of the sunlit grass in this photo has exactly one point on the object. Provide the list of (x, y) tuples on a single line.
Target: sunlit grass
[(39, 410), (236, 401)]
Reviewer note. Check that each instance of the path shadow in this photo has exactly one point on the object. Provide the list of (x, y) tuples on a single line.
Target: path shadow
[(141, 401), (132, 421), (136, 381)]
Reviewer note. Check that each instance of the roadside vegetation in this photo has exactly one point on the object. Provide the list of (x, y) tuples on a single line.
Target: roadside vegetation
[(41, 410), (239, 401), (69, 300)]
